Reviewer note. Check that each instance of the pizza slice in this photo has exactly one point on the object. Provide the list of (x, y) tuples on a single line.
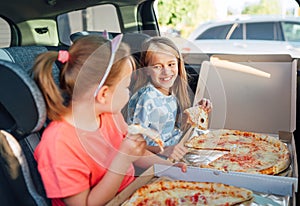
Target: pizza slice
[(178, 192), (197, 117), (154, 135)]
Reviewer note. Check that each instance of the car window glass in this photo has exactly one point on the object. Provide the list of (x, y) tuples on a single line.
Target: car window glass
[(90, 19), (5, 34), (260, 31), (219, 32), (291, 31), (237, 32)]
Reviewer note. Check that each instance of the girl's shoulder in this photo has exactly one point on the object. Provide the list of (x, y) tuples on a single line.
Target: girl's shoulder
[(58, 135), (148, 91), (113, 122), (58, 129), (141, 96)]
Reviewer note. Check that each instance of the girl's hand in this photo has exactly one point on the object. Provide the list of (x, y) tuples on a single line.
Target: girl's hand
[(133, 147), (206, 104), (182, 165), (175, 152)]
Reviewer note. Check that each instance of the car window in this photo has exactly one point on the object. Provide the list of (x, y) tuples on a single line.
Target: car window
[(237, 33), (219, 32), (291, 31), (90, 19), (5, 34), (261, 31)]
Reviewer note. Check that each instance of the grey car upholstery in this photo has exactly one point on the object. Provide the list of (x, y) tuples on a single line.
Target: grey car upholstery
[(22, 116)]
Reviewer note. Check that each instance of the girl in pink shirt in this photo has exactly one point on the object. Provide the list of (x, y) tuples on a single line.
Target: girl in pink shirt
[(85, 156)]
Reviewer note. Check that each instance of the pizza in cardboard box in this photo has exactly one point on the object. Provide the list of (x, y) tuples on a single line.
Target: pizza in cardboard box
[(178, 192), (248, 152)]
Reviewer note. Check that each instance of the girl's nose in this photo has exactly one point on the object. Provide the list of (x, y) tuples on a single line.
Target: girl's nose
[(166, 68)]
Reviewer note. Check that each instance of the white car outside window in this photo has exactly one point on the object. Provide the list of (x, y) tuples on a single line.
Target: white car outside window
[(255, 35)]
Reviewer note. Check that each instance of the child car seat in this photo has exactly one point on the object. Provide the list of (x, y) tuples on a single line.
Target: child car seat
[(22, 117)]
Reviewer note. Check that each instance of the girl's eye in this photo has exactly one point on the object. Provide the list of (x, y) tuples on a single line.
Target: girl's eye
[(157, 67), (172, 64)]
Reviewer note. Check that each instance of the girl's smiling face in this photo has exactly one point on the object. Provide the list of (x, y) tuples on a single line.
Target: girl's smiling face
[(163, 71)]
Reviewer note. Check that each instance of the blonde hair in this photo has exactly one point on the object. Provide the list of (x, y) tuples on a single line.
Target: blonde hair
[(163, 44), (83, 54)]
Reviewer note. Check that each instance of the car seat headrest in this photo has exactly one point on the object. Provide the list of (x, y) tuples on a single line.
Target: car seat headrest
[(134, 40), (22, 106), (79, 34)]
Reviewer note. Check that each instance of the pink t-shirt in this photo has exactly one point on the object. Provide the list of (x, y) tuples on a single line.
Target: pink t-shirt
[(71, 160)]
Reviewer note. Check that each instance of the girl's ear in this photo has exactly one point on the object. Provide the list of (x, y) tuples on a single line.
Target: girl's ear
[(102, 94)]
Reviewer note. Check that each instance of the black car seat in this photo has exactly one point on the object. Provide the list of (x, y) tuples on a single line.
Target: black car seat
[(134, 40), (22, 117)]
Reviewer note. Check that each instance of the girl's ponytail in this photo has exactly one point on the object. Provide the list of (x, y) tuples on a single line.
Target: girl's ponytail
[(42, 71)]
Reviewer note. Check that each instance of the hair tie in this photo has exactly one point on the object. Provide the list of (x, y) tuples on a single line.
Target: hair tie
[(63, 56)]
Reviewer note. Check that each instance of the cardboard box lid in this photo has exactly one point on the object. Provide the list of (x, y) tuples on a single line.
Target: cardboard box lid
[(250, 93)]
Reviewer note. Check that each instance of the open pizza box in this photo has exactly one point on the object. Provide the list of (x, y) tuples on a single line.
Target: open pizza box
[(252, 93), (267, 191)]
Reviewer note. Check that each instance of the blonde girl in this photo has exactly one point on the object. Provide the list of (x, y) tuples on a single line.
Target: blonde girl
[(160, 95), (85, 156)]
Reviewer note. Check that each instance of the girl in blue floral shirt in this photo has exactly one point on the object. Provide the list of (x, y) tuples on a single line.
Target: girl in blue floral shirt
[(160, 94)]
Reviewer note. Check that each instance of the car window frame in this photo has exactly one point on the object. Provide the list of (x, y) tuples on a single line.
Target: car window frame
[(215, 29), (85, 24)]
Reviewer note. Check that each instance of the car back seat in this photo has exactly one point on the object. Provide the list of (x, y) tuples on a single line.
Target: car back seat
[(22, 116)]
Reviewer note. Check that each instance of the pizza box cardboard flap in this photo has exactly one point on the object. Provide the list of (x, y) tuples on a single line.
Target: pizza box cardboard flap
[(288, 138), (260, 183), (250, 92), (143, 179)]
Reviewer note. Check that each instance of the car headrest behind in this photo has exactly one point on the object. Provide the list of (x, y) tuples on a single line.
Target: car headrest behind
[(22, 106), (134, 40), (79, 34)]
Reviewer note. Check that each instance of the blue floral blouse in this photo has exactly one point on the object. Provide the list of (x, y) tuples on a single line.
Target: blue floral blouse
[(151, 108)]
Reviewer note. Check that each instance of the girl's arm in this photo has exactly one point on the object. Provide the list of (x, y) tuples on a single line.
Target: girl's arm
[(131, 149), (154, 149), (174, 152), (139, 113), (149, 159), (106, 189)]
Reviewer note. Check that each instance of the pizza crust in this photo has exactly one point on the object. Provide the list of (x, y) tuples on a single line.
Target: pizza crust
[(197, 117), (178, 192), (154, 135)]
